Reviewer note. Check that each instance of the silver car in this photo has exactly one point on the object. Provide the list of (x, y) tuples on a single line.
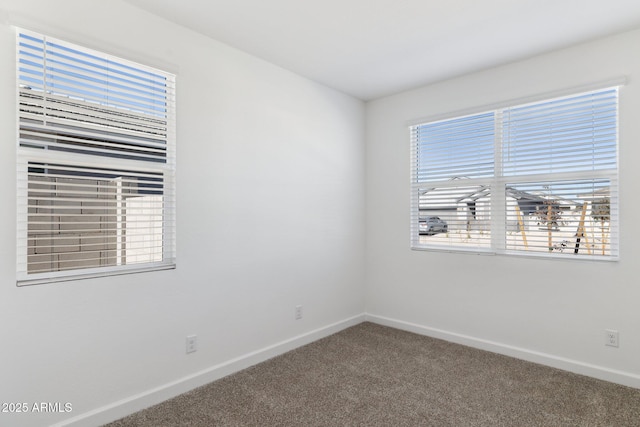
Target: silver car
[(432, 225)]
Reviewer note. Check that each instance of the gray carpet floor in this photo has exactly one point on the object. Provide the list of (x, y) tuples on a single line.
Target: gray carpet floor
[(371, 375)]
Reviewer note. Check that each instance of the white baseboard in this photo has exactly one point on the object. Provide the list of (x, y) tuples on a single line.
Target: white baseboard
[(619, 377), (124, 407)]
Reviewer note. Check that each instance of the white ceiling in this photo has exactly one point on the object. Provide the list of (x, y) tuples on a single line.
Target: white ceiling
[(373, 48)]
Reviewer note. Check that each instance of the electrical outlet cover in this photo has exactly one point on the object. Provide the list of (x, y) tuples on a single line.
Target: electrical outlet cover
[(192, 343), (611, 338)]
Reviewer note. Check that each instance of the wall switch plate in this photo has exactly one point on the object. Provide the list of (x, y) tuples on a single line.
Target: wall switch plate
[(192, 343), (298, 314), (611, 338)]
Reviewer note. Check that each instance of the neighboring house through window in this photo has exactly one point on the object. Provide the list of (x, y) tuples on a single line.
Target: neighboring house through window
[(96, 163), (538, 178)]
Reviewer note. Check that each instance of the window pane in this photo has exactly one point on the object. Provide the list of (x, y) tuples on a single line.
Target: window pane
[(564, 135), (572, 217), (453, 217), (458, 148), (88, 217), (80, 101)]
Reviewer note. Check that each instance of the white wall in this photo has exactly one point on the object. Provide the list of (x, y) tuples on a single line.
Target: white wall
[(270, 184), (550, 311)]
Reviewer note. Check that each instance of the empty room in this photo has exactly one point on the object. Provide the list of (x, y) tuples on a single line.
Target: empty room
[(296, 213)]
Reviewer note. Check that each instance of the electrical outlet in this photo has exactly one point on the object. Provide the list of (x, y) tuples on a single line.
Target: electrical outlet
[(611, 338), (298, 315), (192, 343)]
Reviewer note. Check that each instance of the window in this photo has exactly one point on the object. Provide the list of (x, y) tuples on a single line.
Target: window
[(536, 179), (96, 163)]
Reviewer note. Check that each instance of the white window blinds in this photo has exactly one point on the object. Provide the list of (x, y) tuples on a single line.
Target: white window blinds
[(96, 163), (572, 134), (454, 164), (537, 178)]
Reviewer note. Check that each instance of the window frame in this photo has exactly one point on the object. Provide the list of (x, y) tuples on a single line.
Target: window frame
[(105, 161), (498, 183)]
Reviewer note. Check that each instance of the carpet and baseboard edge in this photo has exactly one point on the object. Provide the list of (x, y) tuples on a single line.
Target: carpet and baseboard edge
[(600, 372), (159, 394), (154, 396)]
